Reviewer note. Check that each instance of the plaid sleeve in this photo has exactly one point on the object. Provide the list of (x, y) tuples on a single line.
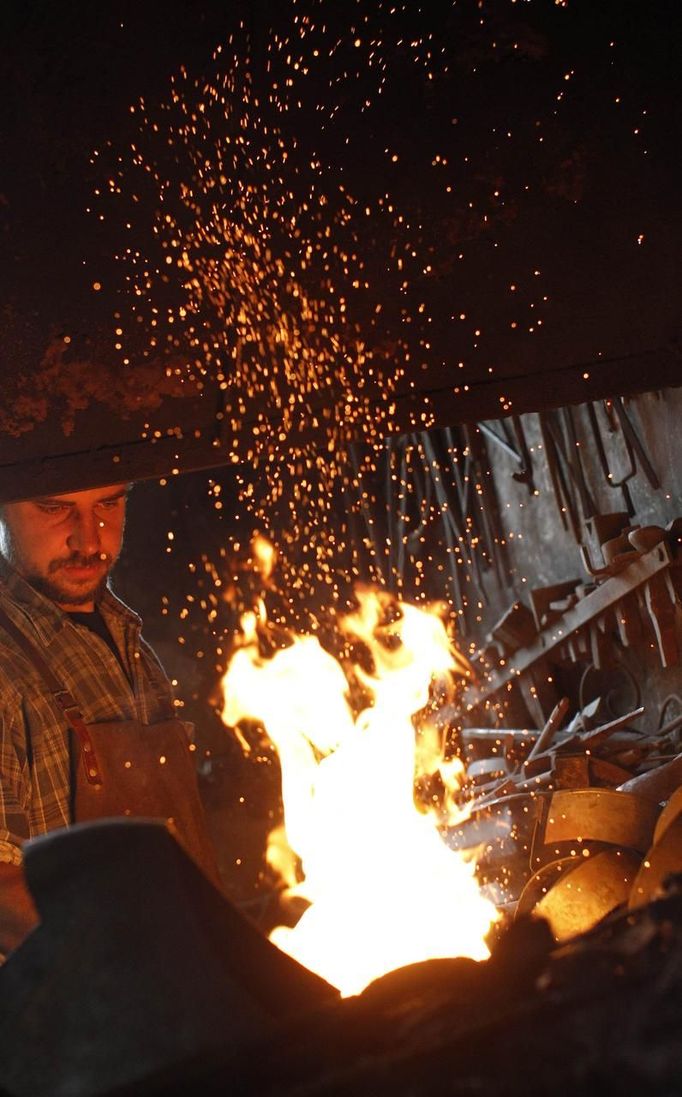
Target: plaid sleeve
[(14, 820)]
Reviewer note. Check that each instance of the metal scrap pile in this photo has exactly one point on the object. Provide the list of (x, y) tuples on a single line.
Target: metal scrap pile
[(629, 604), (587, 752), (577, 822)]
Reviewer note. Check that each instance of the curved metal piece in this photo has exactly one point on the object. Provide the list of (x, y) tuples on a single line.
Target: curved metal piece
[(663, 859), (602, 815), (669, 814), (589, 892), (541, 882)]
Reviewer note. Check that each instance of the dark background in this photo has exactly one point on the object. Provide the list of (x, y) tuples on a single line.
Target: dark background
[(549, 174)]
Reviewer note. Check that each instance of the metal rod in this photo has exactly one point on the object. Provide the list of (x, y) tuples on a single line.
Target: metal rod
[(547, 734), (501, 442)]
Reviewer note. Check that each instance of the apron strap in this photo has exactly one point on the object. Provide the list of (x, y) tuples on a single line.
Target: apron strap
[(66, 702)]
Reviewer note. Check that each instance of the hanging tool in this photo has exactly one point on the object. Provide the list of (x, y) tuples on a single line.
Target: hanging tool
[(520, 452), (562, 496), (611, 481), (525, 473), (465, 477), (659, 598), (575, 464), (633, 440), (422, 489), (487, 503), (501, 442), (451, 532)]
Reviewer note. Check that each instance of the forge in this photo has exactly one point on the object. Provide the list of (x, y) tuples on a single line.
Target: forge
[(110, 985), (374, 306)]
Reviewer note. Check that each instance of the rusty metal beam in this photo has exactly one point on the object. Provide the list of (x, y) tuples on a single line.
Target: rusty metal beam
[(104, 450), (498, 396)]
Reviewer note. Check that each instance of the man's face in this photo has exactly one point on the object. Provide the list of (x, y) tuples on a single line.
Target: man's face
[(65, 545)]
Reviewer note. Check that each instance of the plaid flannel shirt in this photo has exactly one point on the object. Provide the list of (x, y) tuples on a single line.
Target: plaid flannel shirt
[(35, 781)]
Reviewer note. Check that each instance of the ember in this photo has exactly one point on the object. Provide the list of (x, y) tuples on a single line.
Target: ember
[(384, 890)]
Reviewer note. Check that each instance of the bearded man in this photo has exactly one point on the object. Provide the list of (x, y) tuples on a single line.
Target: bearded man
[(87, 718)]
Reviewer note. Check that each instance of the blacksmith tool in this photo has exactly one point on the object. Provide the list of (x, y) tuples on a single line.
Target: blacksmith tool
[(520, 453), (452, 533), (659, 598), (461, 478), (564, 502), (629, 621), (584, 742), (501, 442), (489, 509), (475, 513), (575, 464), (644, 538), (591, 739), (633, 440), (611, 481), (525, 473), (553, 723)]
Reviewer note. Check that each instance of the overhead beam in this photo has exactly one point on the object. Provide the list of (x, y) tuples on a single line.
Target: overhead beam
[(189, 437)]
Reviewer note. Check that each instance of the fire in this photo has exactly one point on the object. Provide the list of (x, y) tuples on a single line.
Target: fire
[(384, 890), (265, 555)]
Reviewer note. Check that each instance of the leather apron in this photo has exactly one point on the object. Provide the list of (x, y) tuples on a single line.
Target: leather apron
[(126, 768)]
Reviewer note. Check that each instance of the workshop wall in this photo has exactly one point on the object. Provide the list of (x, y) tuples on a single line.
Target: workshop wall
[(540, 550), (543, 544)]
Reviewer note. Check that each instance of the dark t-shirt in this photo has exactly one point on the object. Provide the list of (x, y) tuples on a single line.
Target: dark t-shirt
[(96, 623)]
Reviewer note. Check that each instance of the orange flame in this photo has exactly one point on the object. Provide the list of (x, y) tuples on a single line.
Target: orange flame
[(384, 890), (265, 555)]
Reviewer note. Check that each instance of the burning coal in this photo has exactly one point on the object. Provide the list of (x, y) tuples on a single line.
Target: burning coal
[(384, 891)]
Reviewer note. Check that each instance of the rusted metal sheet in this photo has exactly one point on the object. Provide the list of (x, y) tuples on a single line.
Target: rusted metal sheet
[(590, 890), (662, 860), (669, 814), (104, 449), (604, 815)]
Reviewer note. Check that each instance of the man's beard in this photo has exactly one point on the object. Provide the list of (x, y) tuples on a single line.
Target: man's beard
[(50, 585), (57, 592)]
